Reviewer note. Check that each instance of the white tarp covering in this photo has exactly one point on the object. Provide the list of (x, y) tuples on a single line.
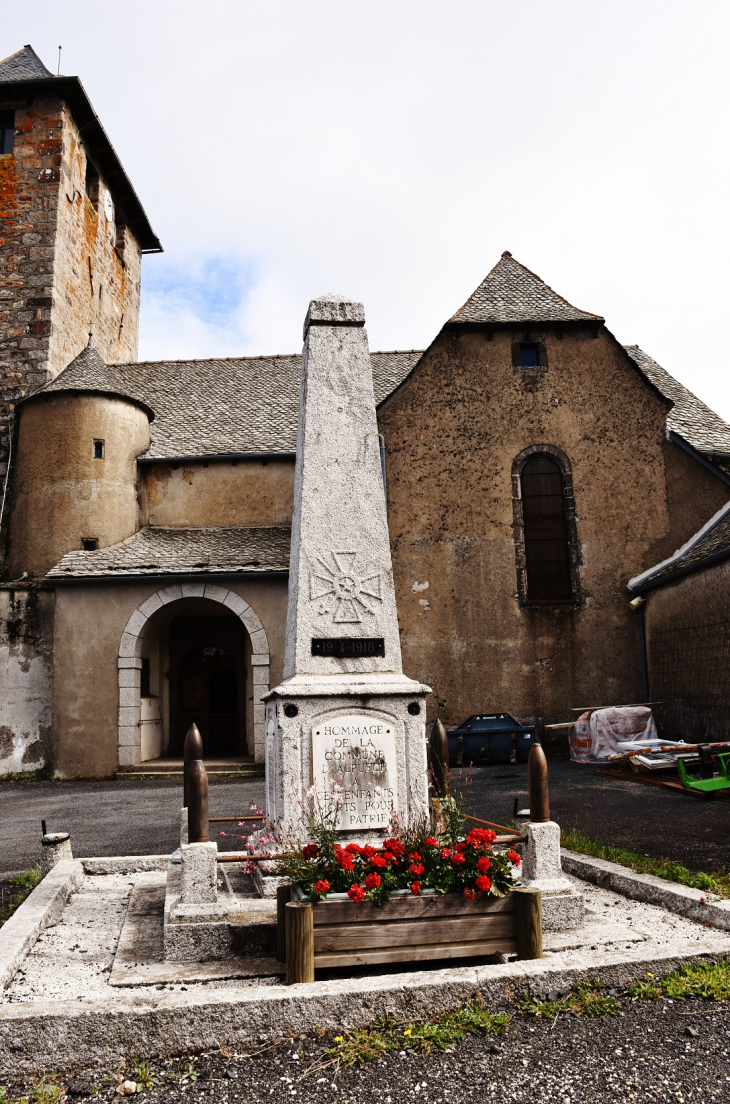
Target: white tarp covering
[(605, 732)]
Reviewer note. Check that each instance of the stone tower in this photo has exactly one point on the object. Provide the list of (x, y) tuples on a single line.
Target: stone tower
[(72, 235)]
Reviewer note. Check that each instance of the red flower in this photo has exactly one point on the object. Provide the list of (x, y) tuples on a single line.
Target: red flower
[(414, 857), (372, 880), (469, 893), (389, 856), (416, 868), (354, 848), (483, 864), (460, 847), (479, 836), (514, 858), (310, 851), (379, 861), (415, 888), (445, 853), (322, 886), (395, 846), (344, 859), (431, 841), (356, 893), (368, 851), (457, 858), (483, 883)]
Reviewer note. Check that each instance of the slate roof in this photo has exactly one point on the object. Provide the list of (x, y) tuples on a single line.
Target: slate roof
[(199, 551), (711, 542), (216, 407), (512, 293), (23, 65), (690, 418)]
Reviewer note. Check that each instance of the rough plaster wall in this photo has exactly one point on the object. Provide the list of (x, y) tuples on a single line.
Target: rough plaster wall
[(56, 253), (26, 637), (452, 433), (85, 709), (221, 492), (688, 647)]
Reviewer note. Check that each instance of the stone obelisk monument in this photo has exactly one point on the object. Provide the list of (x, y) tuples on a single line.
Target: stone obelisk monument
[(345, 724)]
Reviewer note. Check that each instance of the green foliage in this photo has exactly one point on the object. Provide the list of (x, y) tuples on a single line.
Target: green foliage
[(4, 1098), (189, 1073), (144, 1075), (709, 981), (369, 1044), (43, 1090), (588, 999), (643, 990), (27, 880), (717, 883)]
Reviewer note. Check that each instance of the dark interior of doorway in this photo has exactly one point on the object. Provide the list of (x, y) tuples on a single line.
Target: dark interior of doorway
[(208, 684)]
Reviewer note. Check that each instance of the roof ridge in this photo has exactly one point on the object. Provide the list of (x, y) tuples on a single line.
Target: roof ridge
[(237, 359), (23, 65), (645, 576)]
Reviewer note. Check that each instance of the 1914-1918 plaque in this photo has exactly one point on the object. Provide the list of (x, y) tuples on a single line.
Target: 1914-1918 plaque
[(354, 768)]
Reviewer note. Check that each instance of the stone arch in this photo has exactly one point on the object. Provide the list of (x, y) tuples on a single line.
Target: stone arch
[(129, 662), (518, 526)]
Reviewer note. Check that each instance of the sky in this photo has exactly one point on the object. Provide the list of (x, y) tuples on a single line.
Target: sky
[(391, 151)]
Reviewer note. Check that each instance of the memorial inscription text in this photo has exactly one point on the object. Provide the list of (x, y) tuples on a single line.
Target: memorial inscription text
[(354, 768)]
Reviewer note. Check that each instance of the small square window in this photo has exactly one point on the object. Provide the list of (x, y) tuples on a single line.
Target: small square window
[(98, 450), (529, 355), (7, 131), (89, 544)]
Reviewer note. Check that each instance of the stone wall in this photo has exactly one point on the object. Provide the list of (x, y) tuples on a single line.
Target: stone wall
[(688, 649), (64, 267), (26, 648), (218, 492), (452, 433)]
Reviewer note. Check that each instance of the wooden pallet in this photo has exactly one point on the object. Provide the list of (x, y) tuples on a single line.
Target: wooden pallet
[(666, 783)]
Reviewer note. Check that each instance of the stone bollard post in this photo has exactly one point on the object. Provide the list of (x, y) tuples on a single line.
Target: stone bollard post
[(55, 846)]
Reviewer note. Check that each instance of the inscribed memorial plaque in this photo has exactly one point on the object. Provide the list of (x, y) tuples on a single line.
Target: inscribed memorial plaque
[(354, 766)]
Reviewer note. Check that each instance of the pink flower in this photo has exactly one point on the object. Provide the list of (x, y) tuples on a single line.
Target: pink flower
[(221, 833)]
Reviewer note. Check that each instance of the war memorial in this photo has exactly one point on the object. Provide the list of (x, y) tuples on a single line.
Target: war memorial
[(199, 949)]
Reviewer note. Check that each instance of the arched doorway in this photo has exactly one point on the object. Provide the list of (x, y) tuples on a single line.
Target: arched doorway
[(163, 647)]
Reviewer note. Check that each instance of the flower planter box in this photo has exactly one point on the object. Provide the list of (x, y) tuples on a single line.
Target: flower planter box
[(338, 932)]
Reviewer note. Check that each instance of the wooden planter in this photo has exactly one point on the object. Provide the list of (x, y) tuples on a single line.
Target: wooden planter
[(338, 932)]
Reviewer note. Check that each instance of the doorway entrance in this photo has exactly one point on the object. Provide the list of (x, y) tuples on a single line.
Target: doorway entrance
[(208, 684)]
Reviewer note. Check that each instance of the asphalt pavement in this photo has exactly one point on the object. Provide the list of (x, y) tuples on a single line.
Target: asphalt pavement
[(142, 817)]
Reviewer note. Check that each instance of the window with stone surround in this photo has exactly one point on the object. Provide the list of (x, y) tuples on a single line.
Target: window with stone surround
[(7, 131), (98, 449), (89, 544), (546, 542)]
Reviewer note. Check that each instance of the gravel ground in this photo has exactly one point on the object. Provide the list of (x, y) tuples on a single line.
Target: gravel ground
[(136, 818), (653, 1051)]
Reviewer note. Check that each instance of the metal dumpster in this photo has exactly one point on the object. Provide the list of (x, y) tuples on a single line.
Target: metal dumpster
[(490, 738)]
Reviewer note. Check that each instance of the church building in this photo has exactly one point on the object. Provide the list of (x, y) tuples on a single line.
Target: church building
[(533, 466)]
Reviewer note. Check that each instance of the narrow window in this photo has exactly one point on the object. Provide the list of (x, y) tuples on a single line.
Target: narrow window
[(144, 683), (98, 450), (92, 182), (547, 545), (529, 354), (89, 544), (7, 131)]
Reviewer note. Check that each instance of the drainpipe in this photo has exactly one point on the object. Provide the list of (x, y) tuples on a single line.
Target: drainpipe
[(381, 442), (638, 605)]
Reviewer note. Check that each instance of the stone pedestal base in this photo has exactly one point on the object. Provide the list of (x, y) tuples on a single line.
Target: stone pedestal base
[(199, 881), (318, 734), (183, 826), (562, 908)]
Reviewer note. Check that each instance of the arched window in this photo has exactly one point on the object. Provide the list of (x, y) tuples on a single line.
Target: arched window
[(545, 526)]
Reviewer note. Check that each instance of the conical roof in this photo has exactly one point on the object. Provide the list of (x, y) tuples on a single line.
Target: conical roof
[(511, 293), (23, 65)]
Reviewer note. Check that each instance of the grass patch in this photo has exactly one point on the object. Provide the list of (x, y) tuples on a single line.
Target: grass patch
[(22, 884), (368, 1044), (705, 980), (717, 883), (587, 1000)]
